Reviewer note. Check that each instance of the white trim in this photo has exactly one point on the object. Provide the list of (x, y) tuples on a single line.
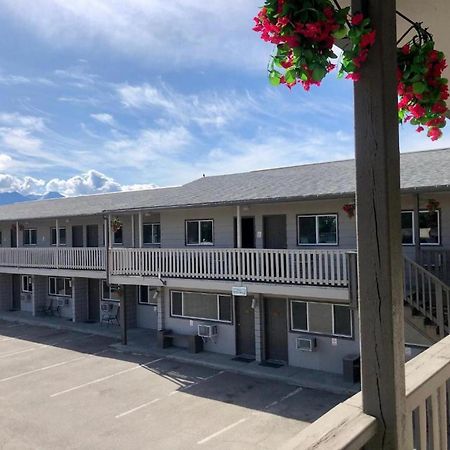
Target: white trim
[(425, 244), (199, 221), (317, 243), (27, 231), (29, 281), (333, 323), (56, 244), (54, 294), (151, 224), (292, 315), (109, 287), (148, 294)]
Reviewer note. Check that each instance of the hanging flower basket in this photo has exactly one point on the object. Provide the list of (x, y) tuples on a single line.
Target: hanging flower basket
[(349, 209), (432, 205), (304, 35), (116, 224), (421, 88)]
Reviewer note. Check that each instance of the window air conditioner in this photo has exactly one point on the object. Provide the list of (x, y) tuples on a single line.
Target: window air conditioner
[(305, 344), (207, 331)]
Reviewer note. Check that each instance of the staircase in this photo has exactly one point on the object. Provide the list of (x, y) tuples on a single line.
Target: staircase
[(427, 301)]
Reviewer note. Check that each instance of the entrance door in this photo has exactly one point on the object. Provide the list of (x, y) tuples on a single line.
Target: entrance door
[(77, 236), (92, 236), (13, 237), (276, 332), (274, 229), (245, 326), (247, 232), (94, 300), (16, 290)]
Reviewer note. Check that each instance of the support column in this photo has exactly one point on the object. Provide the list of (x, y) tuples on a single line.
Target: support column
[(141, 230), (80, 296), (6, 292), (416, 229), (161, 308), (39, 297), (238, 227), (133, 237), (259, 327), (379, 235), (123, 319), (17, 233)]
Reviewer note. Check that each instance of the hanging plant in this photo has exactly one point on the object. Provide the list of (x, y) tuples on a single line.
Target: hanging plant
[(349, 209), (304, 35), (116, 224), (432, 205)]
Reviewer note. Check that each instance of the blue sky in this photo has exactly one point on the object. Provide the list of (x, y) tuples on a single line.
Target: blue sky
[(103, 95)]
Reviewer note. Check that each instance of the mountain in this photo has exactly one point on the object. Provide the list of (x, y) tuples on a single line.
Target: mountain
[(7, 198)]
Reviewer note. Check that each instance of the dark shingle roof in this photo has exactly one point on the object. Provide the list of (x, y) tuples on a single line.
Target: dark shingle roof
[(426, 170)]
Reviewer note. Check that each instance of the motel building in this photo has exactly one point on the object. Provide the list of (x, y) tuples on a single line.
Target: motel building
[(259, 265)]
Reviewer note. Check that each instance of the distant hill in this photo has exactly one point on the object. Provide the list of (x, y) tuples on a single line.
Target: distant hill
[(7, 198)]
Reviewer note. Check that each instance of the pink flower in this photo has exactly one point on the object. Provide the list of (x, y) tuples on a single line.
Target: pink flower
[(355, 76)]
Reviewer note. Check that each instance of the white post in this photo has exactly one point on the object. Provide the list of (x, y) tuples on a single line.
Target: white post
[(110, 237), (141, 230), (57, 242), (238, 227), (17, 233), (133, 237)]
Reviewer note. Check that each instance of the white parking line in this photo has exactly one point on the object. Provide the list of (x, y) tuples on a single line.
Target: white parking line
[(195, 383), (282, 399), (99, 380), (223, 430), (137, 408), (19, 375)]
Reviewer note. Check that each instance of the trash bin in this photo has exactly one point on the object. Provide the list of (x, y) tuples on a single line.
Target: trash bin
[(351, 368)]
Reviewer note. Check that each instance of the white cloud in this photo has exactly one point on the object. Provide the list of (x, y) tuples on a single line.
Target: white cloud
[(170, 33), (12, 80), (104, 118), (19, 139), (28, 122), (5, 161)]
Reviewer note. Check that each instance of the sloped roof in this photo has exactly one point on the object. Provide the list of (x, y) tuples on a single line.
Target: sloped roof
[(421, 171)]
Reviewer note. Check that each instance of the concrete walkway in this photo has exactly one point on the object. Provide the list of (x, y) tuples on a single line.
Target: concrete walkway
[(143, 341)]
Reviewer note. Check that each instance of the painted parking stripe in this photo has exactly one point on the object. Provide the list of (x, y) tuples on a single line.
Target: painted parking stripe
[(99, 380), (282, 399), (223, 430), (19, 375), (130, 411)]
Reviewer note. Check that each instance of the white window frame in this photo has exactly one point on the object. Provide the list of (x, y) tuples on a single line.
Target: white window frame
[(199, 221), (28, 231), (109, 288), (152, 225), (51, 232), (150, 297), (29, 279), (423, 211), (60, 295), (317, 243), (182, 316), (333, 334)]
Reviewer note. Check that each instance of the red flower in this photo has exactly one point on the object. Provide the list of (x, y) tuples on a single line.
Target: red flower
[(355, 76), (357, 19), (406, 49), (368, 39), (417, 111), (434, 133), (419, 129)]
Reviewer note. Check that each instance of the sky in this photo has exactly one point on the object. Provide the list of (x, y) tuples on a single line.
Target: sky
[(108, 95)]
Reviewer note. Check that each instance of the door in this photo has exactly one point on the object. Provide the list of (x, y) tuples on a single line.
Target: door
[(274, 229), (247, 232), (92, 236), (276, 332), (245, 326), (16, 290), (93, 300), (13, 237), (77, 236)]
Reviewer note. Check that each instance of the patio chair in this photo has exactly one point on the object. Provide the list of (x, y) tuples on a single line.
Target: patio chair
[(110, 314)]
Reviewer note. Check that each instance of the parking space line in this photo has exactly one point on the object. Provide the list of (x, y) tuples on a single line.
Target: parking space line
[(137, 408), (99, 380), (41, 369), (223, 430), (195, 383), (285, 397)]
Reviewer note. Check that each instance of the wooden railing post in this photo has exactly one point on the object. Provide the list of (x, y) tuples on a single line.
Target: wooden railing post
[(439, 309), (352, 271)]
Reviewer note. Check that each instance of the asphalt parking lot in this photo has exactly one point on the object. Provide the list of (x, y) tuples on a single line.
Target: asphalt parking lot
[(63, 389)]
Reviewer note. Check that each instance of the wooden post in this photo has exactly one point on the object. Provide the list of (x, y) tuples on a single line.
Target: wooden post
[(123, 318), (141, 230), (17, 234), (133, 237), (57, 242), (416, 229), (379, 236), (238, 227)]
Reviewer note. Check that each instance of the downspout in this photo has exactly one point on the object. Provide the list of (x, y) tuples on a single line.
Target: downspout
[(239, 241)]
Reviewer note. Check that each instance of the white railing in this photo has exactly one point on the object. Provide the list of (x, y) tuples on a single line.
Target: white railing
[(426, 411), (310, 267), (437, 261), (428, 294), (54, 258)]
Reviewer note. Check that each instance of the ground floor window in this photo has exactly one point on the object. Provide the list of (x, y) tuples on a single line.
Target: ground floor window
[(321, 318), (111, 292), (59, 286), (203, 306), (147, 295), (27, 283)]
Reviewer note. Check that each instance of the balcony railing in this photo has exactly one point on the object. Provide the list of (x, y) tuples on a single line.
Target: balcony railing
[(426, 411), (312, 267), (54, 258)]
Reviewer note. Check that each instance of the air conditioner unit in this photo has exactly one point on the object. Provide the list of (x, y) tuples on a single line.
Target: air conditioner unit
[(305, 344), (207, 331)]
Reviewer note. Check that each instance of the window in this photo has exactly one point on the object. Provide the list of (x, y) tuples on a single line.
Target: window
[(62, 236), (27, 283), (429, 228), (152, 233), (30, 237), (59, 286), (317, 230), (199, 232), (196, 305), (1, 239), (111, 292), (147, 295), (118, 236), (321, 318)]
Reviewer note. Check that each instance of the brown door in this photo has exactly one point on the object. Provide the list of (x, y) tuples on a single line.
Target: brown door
[(92, 236), (274, 229), (77, 236), (245, 326), (275, 317)]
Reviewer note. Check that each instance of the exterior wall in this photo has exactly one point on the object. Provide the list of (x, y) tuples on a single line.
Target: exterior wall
[(147, 316), (80, 295), (6, 292), (39, 295)]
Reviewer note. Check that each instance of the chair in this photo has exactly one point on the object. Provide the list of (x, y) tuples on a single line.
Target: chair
[(110, 314)]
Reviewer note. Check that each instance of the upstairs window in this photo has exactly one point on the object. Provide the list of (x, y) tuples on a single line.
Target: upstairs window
[(199, 232), (1, 239), (317, 229), (429, 227), (30, 236), (118, 236), (152, 233), (27, 283), (62, 236)]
